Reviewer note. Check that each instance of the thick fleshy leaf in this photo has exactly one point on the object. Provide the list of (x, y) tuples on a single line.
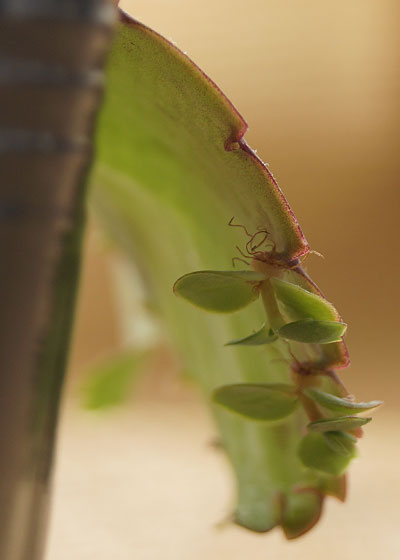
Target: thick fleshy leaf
[(340, 442), (313, 332), (343, 423), (263, 336), (258, 401), (109, 382), (316, 453), (300, 512), (220, 291), (302, 304), (172, 169), (337, 404)]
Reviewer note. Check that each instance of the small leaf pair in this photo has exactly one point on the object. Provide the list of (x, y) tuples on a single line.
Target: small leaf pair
[(228, 291), (343, 406), (307, 330), (312, 318), (328, 447)]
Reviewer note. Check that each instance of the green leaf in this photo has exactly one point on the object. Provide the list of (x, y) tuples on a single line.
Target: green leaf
[(220, 291), (263, 336), (343, 423), (312, 331), (316, 453), (337, 404), (172, 169), (302, 304), (340, 442), (300, 512), (257, 401), (166, 125), (109, 382)]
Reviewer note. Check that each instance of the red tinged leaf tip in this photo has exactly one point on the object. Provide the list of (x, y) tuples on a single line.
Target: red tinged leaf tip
[(336, 487), (301, 510)]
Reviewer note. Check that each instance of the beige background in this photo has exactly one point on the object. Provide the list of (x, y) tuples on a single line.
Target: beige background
[(318, 84)]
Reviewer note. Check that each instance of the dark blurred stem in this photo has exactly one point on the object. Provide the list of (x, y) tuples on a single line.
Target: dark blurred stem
[(51, 56)]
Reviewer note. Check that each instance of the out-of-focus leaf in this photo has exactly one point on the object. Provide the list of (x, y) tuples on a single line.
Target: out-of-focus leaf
[(109, 382), (300, 511), (337, 404), (343, 423), (340, 442), (312, 331), (256, 401), (316, 453), (258, 338), (220, 291)]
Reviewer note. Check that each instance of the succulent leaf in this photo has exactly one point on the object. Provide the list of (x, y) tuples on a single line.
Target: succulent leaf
[(258, 401), (337, 404), (302, 304), (220, 291), (317, 454), (343, 423), (312, 331)]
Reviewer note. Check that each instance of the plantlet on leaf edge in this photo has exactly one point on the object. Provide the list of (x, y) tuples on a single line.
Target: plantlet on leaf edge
[(129, 196)]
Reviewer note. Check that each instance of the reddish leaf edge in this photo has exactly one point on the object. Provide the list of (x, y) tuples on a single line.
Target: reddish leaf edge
[(236, 139), (292, 534), (336, 488)]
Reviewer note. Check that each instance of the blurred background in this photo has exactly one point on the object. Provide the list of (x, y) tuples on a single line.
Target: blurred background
[(318, 84)]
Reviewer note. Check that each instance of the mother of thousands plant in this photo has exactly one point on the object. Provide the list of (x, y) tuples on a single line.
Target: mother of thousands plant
[(172, 169)]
